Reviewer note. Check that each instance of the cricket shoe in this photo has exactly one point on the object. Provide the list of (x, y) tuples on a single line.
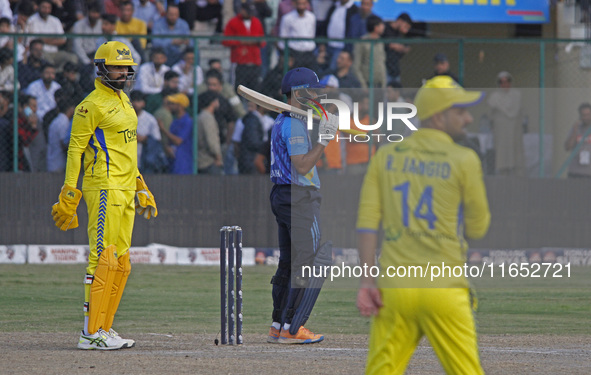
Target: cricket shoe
[(303, 336), (100, 340), (130, 342), (273, 337)]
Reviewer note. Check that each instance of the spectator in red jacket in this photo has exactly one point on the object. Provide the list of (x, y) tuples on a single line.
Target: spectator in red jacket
[(246, 54)]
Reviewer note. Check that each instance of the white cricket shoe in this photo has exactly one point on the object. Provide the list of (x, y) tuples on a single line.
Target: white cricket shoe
[(100, 340), (130, 342)]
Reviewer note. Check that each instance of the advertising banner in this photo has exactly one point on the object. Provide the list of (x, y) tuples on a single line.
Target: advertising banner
[(466, 11)]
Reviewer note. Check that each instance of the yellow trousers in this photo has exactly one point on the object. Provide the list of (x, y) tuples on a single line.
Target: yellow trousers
[(443, 315), (111, 214)]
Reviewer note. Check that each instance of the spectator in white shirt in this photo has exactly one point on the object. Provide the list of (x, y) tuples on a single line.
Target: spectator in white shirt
[(185, 70), (43, 22), (91, 24), (5, 10), (7, 70), (300, 23), (43, 90), (6, 27), (151, 74), (339, 21), (147, 126), (24, 11), (59, 135)]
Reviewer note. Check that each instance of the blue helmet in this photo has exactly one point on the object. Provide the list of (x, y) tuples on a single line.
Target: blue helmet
[(299, 78)]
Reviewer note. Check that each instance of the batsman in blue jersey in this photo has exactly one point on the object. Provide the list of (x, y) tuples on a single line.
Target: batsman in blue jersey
[(295, 201)]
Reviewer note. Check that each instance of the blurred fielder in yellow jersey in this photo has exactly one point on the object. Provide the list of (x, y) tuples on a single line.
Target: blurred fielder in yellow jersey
[(428, 194), (103, 139)]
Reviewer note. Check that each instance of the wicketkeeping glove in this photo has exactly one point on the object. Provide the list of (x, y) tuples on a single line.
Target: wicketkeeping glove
[(64, 211), (328, 129), (144, 200)]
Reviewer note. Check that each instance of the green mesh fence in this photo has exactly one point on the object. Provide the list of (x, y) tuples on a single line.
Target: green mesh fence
[(552, 76)]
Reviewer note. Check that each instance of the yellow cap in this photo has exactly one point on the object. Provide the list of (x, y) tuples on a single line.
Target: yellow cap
[(442, 92), (179, 98), (114, 53)]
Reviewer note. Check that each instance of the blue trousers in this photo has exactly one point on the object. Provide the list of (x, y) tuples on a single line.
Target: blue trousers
[(297, 212)]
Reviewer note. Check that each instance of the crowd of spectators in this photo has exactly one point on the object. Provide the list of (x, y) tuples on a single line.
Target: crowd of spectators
[(55, 73)]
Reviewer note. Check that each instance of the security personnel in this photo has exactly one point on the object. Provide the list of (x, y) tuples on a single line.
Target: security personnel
[(428, 194), (103, 139)]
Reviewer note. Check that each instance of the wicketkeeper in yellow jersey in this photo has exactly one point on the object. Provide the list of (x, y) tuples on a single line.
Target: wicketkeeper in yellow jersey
[(428, 194), (103, 139)]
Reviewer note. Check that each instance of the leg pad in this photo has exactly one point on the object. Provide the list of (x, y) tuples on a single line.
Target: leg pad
[(121, 275), (100, 290)]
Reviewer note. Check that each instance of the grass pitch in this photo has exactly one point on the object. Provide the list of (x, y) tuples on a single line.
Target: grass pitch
[(185, 299)]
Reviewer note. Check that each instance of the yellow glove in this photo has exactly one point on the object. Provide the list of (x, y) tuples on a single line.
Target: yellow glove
[(144, 200), (64, 211)]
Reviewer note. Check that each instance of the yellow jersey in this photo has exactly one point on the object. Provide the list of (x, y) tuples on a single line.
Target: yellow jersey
[(429, 195), (134, 27), (104, 139)]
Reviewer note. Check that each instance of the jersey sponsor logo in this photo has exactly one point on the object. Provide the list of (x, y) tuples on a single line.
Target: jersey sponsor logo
[(438, 236), (113, 111), (129, 135), (402, 148), (82, 111), (297, 140), (390, 235), (296, 116)]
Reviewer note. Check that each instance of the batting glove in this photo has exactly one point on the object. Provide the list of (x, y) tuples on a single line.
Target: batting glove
[(145, 204), (328, 129), (64, 211)]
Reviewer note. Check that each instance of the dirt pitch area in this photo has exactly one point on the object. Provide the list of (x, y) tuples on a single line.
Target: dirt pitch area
[(157, 354)]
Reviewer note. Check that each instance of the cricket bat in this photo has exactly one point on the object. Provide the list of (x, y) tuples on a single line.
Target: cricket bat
[(278, 106)]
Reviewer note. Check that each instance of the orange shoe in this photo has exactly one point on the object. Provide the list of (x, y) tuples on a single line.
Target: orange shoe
[(304, 336), (273, 335)]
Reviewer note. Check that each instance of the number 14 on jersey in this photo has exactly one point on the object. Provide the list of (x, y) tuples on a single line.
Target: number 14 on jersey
[(424, 208)]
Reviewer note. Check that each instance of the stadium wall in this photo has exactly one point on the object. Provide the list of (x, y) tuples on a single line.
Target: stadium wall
[(526, 213)]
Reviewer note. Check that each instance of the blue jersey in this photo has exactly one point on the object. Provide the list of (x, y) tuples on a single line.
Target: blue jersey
[(290, 137), (183, 127)]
